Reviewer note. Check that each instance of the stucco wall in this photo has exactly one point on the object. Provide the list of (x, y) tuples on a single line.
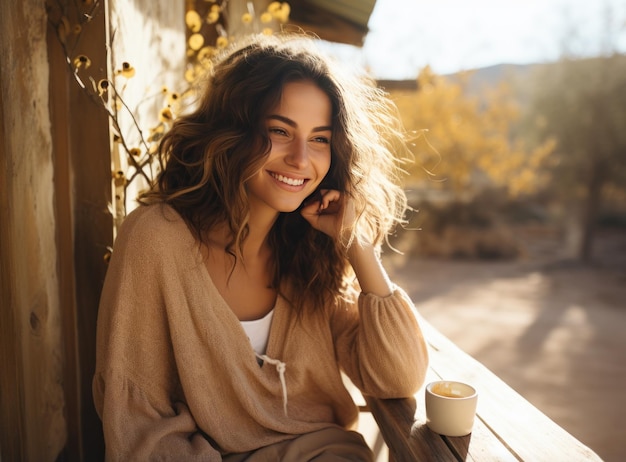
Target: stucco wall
[(30, 330), (150, 36)]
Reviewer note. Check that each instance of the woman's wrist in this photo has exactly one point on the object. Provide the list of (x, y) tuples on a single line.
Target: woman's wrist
[(368, 269)]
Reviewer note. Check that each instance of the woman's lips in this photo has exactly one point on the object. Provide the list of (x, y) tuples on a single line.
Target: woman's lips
[(288, 180)]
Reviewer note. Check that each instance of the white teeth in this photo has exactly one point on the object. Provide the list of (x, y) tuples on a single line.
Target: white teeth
[(289, 181)]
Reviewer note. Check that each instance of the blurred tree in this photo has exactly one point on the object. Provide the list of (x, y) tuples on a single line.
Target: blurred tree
[(582, 103), (465, 143)]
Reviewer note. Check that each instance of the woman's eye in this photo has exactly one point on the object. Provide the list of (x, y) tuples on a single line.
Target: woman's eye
[(278, 131), (321, 139)]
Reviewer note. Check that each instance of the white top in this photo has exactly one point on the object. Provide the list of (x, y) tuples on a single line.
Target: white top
[(258, 331)]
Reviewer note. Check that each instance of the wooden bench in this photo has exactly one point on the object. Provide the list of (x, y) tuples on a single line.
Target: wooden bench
[(507, 426)]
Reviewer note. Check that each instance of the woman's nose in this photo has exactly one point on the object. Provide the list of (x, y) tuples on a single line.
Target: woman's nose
[(298, 156)]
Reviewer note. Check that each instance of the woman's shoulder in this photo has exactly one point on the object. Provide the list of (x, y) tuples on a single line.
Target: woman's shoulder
[(154, 225)]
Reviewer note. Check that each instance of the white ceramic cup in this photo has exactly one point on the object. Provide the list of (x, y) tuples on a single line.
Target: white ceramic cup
[(450, 407)]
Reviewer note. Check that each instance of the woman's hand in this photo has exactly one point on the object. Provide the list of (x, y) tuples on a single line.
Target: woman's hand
[(333, 214)]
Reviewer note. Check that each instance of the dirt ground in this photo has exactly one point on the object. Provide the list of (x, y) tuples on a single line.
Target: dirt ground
[(552, 328)]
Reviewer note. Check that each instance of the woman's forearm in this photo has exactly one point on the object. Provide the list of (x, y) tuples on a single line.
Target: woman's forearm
[(368, 269)]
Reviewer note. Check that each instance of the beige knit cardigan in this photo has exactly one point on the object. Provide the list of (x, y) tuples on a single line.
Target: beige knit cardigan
[(177, 379)]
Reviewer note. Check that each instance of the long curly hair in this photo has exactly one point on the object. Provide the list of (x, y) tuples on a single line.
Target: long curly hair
[(211, 153)]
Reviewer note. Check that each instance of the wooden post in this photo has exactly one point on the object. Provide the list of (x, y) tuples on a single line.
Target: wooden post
[(81, 137)]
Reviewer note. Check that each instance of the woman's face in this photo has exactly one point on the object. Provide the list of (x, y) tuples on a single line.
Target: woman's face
[(300, 129)]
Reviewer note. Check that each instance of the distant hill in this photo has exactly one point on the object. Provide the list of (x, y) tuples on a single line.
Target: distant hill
[(488, 75), (521, 76), (491, 76)]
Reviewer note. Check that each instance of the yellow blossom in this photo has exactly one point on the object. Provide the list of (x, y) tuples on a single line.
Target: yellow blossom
[(158, 129), (193, 20), (127, 71), (206, 53), (196, 41), (173, 98), (190, 74), (266, 17), (246, 18), (283, 14), (166, 115), (119, 179), (213, 17), (82, 61), (221, 42), (156, 133), (267, 31), (103, 86), (136, 152), (273, 7)]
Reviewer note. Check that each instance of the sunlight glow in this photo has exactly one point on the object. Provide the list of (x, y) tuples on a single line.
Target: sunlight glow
[(453, 35)]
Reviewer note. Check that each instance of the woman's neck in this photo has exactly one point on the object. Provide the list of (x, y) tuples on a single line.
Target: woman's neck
[(255, 244)]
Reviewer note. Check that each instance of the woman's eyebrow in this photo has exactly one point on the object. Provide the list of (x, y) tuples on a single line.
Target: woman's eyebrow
[(293, 124)]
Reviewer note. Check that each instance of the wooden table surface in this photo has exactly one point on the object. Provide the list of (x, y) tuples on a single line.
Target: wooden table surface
[(507, 427)]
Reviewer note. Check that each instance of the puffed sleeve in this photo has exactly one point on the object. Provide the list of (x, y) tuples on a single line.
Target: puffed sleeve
[(135, 387), (380, 345), (137, 428)]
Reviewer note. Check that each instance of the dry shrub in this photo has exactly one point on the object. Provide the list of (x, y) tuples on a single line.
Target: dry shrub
[(458, 231)]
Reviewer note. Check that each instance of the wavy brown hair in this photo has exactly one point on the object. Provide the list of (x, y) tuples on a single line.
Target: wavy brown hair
[(211, 153)]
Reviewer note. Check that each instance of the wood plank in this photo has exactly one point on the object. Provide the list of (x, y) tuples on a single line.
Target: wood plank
[(482, 445), (407, 441), (32, 418), (84, 224), (525, 430), (402, 423)]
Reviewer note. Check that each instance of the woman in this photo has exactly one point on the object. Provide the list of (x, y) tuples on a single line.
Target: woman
[(249, 280)]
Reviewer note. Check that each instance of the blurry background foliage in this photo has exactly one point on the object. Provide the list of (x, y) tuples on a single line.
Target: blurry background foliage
[(543, 147)]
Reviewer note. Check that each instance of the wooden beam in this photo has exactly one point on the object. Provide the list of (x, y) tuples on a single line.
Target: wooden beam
[(326, 25), (82, 156)]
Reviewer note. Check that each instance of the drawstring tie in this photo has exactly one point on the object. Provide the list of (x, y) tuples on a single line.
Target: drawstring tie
[(280, 367)]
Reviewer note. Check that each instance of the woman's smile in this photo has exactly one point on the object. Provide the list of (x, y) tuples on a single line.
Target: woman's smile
[(299, 129), (286, 180)]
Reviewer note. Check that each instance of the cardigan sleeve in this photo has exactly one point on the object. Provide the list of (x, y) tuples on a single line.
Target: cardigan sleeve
[(136, 388), (380, 345)]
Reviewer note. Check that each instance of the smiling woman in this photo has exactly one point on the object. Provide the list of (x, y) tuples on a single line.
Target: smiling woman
[(250, 279)]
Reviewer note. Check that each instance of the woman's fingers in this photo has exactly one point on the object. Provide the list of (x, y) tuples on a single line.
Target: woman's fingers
[(332, 213), (330, 197)]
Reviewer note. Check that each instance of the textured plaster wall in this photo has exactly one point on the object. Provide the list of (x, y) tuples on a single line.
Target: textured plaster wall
[(30, 299), (150, 36)]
